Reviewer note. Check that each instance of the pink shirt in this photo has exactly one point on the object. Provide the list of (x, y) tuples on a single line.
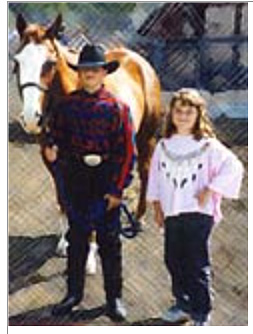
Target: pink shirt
[(182, 166)]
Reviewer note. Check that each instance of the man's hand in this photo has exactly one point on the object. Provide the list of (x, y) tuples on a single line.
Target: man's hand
[(51, 153), (113, 202), (203, 196)]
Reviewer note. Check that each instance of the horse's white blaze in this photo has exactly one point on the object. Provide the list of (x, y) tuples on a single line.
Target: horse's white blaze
[(31, 109), (31, 60)]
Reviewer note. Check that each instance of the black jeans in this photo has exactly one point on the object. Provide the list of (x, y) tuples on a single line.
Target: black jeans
[(109, 248), (84, 187), (187, 260)]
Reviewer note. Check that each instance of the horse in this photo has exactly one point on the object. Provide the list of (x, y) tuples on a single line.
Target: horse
[(44, 75)]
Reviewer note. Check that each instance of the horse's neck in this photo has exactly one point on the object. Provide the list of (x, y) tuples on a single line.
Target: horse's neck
[(67, 76)]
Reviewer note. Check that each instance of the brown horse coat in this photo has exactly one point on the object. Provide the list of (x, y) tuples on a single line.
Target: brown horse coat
[(135, 83)]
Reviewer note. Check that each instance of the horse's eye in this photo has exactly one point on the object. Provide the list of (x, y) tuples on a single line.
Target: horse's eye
[(47, 66)]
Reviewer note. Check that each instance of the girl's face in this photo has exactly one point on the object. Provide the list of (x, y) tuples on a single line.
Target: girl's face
[(184, 117), (91, 78)]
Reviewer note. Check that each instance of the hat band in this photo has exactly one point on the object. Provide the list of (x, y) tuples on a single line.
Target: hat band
[(92, 64)]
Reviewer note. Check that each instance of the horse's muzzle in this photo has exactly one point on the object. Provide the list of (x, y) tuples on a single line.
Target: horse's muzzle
[(31, 127)]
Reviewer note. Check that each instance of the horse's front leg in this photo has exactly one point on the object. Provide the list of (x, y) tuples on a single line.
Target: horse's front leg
[(61, 249)]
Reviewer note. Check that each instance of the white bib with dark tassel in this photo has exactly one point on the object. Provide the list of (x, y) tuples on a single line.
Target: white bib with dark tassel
[(181, 169)]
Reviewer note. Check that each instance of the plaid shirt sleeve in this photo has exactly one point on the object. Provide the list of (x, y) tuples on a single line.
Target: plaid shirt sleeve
[(123, 151), (57, 131)]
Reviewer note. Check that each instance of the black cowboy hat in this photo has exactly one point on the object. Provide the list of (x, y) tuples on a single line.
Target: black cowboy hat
[(93, 56)]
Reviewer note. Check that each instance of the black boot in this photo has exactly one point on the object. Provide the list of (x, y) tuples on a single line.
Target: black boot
[(115, 310), (66, 305)]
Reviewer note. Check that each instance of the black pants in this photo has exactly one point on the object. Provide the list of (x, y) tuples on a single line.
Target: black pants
[(84, 186), (110, 252), (187, 260)]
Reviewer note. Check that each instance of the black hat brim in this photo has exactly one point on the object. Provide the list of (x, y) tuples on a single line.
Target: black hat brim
[(110, 67)]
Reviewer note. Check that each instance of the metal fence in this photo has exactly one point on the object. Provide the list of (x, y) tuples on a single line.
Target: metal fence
[(200, 45), (207, 50)]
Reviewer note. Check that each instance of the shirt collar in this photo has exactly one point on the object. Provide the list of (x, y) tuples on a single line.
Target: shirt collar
[(99, 93)]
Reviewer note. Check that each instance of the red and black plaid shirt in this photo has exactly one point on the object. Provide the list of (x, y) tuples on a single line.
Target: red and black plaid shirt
[(96, 123)]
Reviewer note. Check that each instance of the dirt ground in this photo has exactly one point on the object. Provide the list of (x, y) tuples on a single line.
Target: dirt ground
[(37, 275)]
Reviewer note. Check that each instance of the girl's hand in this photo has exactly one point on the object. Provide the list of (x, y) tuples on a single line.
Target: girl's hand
[(203, 196), (51, 153), (159, 217)]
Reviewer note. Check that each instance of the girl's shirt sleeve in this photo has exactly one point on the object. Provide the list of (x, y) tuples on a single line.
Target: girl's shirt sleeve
[(153, 178), (226, 171)]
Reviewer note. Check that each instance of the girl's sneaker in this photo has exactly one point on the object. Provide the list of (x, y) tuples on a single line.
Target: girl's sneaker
[(175, 315), (200, 323), (205, 322)]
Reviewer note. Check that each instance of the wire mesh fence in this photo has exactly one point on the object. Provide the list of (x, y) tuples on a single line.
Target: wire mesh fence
[(198, 45)]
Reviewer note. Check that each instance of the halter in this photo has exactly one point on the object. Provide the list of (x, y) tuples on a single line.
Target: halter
[(33, 84)]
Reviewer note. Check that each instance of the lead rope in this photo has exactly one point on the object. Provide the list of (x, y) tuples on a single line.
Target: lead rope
[(129, 230)]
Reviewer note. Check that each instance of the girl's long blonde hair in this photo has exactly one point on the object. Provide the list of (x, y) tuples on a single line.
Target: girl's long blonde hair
[(203, 126)]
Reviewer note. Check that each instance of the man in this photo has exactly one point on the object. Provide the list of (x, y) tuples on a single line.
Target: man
[(91, 144)]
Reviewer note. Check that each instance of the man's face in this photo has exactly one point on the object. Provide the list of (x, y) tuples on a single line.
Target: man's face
[(91, 78)]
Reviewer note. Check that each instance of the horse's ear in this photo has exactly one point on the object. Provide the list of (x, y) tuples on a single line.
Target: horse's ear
[(21, 24), (55, 27)]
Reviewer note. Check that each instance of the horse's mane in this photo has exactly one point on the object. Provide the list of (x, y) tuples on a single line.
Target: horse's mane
[(70, 54)]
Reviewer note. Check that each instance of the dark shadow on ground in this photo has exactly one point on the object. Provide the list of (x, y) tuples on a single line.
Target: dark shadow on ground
[(155, 322), (18, 135), (43, 317), (26, 256)]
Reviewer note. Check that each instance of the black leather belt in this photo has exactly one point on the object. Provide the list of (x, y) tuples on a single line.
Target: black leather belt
[(90, 159)]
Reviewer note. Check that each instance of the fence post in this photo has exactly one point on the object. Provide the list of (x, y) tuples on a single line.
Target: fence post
[(237, 32)]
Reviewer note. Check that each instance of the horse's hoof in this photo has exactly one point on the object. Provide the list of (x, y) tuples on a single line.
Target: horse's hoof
[(61, 252), (61, 249), (143, 222)]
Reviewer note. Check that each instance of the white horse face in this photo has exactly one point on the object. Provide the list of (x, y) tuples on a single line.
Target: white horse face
[(31, 61)]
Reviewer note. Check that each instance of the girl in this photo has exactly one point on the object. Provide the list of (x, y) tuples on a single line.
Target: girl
[(190, 173)]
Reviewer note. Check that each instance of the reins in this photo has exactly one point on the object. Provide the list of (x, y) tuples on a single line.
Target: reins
[(129, 230)]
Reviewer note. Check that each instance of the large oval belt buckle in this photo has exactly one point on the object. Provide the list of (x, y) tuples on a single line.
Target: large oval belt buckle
[(92, 160)]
